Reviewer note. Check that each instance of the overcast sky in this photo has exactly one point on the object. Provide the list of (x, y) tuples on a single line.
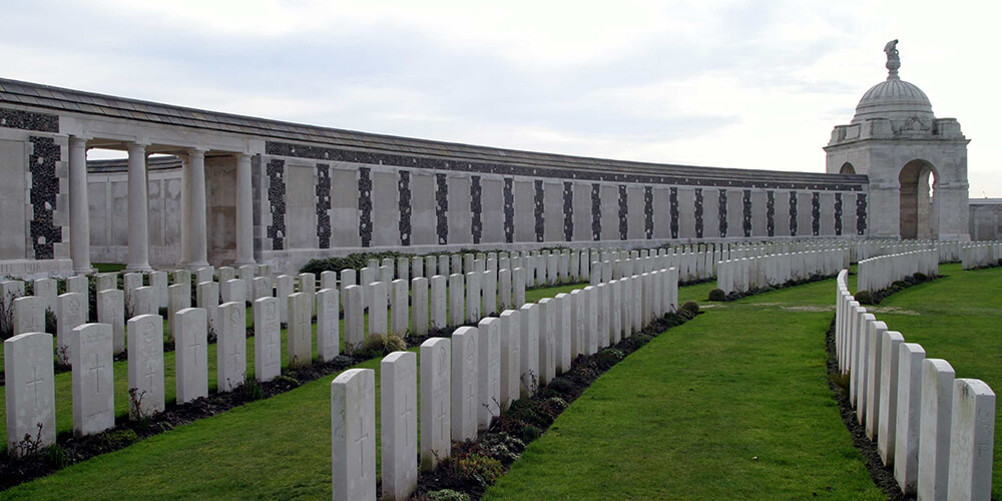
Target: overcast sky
[(748, 84)]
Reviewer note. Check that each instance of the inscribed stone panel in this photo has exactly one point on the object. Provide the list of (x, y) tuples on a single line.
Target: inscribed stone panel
[(423, 220), (300, 207), (344, 208), (686, 212), (97, 201), (711, 213), (758, 209), (525, 219), (221, 203), (13, 163), (828, 213), (782, 218), (636, 216), (553, 211), (804, 217), (460, 217), (119, 212), (385, 209), (735, 213), (609, 193), (662, 212), (492, 207), (582, 211)]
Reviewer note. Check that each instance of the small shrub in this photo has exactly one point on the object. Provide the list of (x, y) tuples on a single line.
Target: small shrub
[(864, 297), (717, 295), (689, 310), (252, 388), (530, 411), (641, 339), (28, 446), (445, 495), (57, 456), (920, 277), (561, 385), (480, 469), (378, 345), (530, 433), (609, 357), (841, 381), (50, 321)]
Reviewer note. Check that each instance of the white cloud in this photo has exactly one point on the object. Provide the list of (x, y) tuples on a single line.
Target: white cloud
[(736, 83)]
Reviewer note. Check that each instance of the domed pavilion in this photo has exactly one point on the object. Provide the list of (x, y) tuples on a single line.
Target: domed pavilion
[(916, 163)]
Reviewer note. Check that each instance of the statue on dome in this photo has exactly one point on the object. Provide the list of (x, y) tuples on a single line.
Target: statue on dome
[(893, 62)]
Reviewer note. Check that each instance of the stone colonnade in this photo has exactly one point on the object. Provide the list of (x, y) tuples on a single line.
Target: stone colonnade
[(194, 253)]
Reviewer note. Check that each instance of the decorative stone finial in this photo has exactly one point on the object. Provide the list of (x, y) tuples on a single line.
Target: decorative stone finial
[(893, 62)]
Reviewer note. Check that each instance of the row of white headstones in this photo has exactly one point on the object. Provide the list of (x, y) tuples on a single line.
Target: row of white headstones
[(978, 255), (877, 273), (749, 273), (89, 348), (936, 431), (468, 379)]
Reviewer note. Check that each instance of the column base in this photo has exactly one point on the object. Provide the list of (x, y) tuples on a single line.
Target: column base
[(195, 266), (85, 271), (242, 262), (139, 268)]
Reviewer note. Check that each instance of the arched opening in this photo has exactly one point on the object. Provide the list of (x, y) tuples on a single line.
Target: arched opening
[(918, 198), (847, 168)]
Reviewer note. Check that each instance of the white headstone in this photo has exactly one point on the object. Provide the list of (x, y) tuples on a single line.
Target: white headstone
[(328, 280), (529, 343), (548, 319), (438, 302), (207, 297), (563, 334), (353, 435), (457, 299), (399, 309), (300, 330), (308, 285), (511, 356), (78, 284), (204, 274), (328, 324), (145, 301), (465, 371), (105, 281), (158, 280), (473, 299), (92, 379), (890, 346), (504, 289), (378, 315), (436, 417), (146, 365), (191, 355), (71, 314), (489, 365), (934, 426), (262, 287), (906, 437), (972, 440), (29, 314), (518, 277), (267, 339), (178, 298), (354, 318), (284, 287), (46, 289), (419, 312), (111, 310), (131, 282), (233, 291), (30, 388), (398, 417), (231, 347)]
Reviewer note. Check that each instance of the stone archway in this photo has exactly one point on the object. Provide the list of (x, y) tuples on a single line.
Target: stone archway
[(918, 201), (847, 168)]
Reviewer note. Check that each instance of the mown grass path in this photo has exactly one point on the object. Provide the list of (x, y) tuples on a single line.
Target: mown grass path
[(732, 405)]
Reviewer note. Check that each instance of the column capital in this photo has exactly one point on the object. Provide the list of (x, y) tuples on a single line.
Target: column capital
[(243, 156), (197, 150)]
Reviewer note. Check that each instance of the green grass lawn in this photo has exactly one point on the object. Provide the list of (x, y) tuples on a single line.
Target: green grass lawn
[(733, 405), (957, 318)]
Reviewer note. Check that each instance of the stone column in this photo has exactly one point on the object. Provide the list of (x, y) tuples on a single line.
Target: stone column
[(245, 211), (193, 227), (139, 243), (79, 215)]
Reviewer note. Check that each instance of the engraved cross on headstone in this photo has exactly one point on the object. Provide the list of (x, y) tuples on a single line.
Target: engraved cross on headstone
[(33, 383), (96, 371)]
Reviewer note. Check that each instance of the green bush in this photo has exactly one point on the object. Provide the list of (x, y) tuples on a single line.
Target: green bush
[(355, 261), (717, 295), (920, 277), (378, 345), (689, 310), (445, 495), (480, 469), (864, 297)]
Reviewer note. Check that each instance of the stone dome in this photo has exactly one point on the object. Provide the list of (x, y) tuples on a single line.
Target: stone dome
[(894, 99)]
